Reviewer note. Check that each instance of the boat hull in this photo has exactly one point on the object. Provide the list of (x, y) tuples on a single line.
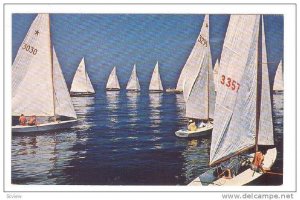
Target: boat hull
[(244, 177), (44, 127), (156, 91), (133, 90), (81, 94), (200, 132), (170, 90), (112, 89)]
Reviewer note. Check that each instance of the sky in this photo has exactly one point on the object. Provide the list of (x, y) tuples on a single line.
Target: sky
[(121, 40)]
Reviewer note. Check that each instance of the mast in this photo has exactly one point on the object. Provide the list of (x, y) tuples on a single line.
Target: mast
[(258, 85), (207, 93), (52, 68)]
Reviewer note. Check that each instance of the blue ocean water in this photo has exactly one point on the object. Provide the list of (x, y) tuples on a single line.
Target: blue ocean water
[(123, 139)]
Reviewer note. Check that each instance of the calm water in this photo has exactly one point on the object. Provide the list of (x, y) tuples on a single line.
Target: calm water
[(122, 139)]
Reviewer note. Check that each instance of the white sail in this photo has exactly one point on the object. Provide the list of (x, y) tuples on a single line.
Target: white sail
[(32, 87), (216, 72), (278, 80), (265, 134), (201, 100), (235, 111), (63, 102), (133, 83), (195, 60), (155, 83), (113, 82), (81, 81)]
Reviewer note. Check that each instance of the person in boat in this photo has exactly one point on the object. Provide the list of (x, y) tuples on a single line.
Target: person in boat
[(202, 124), (257, 164), (227, 173), (32, 121), (22, 120), (192, 125)]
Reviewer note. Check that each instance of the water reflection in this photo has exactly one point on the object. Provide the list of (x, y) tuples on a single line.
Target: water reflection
[(196, 156), (180, 105), (155, 100), (112, 98), (132, 102), (42, 159), (85, 108)]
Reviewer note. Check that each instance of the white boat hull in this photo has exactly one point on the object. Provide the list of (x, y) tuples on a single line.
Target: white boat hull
[(246, 176), (43, 127), (203, 131)]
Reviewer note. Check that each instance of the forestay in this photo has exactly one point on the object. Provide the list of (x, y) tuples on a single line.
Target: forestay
[(133, 83), (235, 112), (63, 102), (216, 72), (201, 101), (194, 62), (32, 88), (81, 81), (113, 82), (278, 80), (155, 83)]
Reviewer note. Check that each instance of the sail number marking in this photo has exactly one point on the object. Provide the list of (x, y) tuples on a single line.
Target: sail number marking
[(202, 40), (230, 83), (30, 49)]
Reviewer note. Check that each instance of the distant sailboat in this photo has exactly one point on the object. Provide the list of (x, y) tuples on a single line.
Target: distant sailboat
[(81, 85), (38, 85), (133, 83), (243, 114), (216, 72), (199, 89), (155, 83), (278, 80), (113, 82)]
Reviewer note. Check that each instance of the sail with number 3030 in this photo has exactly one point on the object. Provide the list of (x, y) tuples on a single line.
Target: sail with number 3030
[(38, 84), (243, 115)]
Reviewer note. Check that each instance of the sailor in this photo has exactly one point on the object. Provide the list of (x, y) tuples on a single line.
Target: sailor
[(22, 120), (32, 121), (202, 124), (192, 125), (257, 163)]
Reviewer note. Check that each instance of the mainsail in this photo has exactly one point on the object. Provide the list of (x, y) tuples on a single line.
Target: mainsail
[(38, 85), (278, 80), (113, 82), (133, 83), (32, 88), (81, 81), (244, 80), (200, 100), (196, 58), (63, 102), (216, 72), (155, 83)]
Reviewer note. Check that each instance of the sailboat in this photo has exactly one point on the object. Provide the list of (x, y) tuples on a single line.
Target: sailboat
[(38, 85), (113, 82), (243, 123), (216, 72), (133, 83), (155, 83), (199, 89), (81, 85), (278, 80)]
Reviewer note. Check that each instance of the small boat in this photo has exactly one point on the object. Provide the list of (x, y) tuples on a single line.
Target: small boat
[(199, 91), (113, 82), (81, 85), (133, 84), (243, 125), (38, 84), (201, 131), (155, 83), (278, 80), (216, 72)]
